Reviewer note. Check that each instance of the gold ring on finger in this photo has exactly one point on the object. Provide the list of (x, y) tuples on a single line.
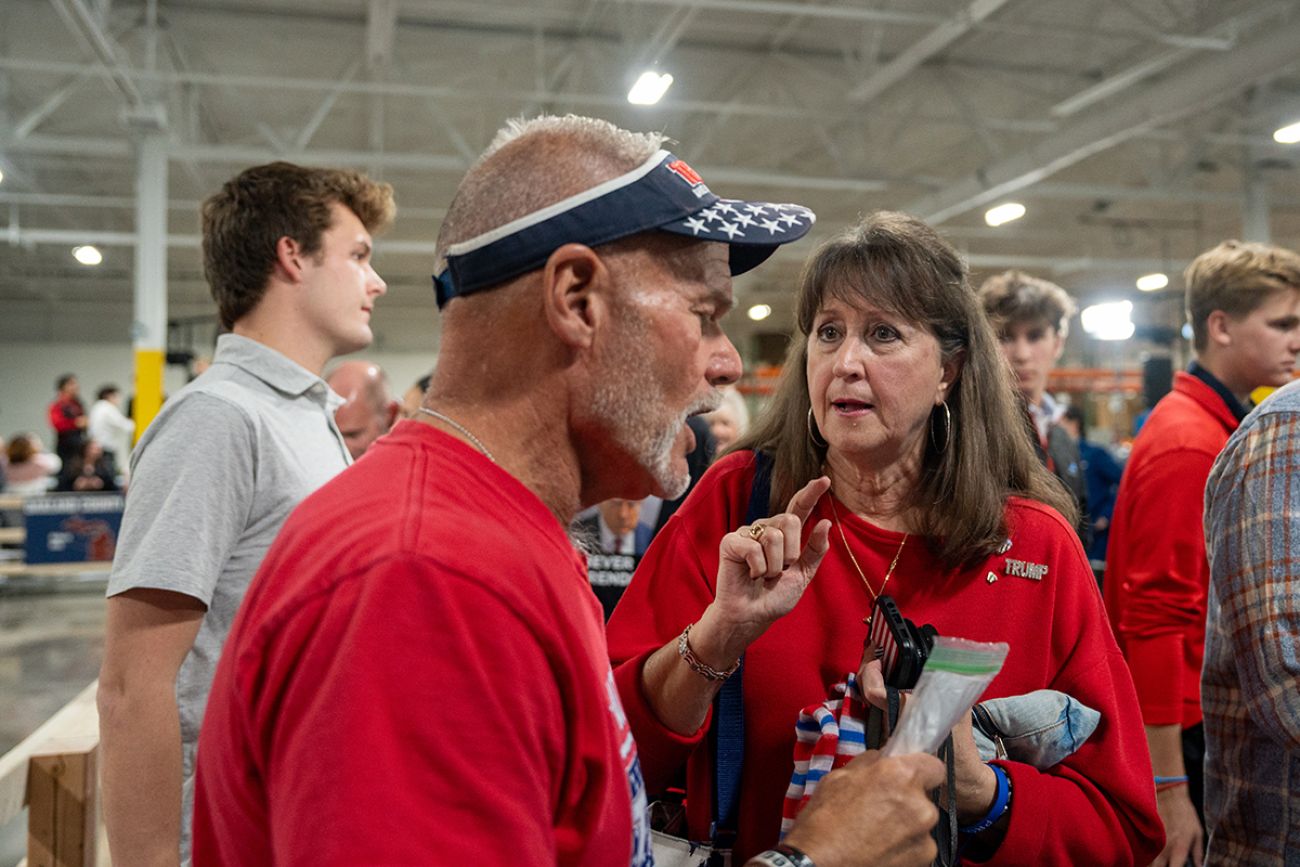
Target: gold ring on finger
[(756, 531)]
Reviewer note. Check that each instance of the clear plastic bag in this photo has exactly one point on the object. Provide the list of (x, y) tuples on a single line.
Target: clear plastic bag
[(955, 675)]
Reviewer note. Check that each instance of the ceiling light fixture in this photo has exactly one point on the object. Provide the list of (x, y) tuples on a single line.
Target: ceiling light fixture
[(2, 177), (760, 311), (649, 88), (87, 254), (1289, 134), (1004, 213), (1152, 282), (1109, 321)]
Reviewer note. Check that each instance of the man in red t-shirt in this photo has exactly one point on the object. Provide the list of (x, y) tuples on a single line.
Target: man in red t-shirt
[(68, 418), (418, 674), (1243, 301)]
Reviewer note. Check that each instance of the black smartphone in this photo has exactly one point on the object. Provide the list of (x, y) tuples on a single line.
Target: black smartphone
[(901, 647)]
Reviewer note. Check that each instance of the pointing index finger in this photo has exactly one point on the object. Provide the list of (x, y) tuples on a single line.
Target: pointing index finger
[(802, 503)]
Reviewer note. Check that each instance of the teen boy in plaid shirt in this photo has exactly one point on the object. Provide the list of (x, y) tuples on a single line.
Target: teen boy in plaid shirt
[(1250, 686)]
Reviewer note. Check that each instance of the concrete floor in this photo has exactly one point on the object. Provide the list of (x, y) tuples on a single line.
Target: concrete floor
[(51, 645)]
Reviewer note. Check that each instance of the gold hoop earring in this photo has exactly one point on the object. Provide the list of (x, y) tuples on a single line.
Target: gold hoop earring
[(947, 429), (814, 434)]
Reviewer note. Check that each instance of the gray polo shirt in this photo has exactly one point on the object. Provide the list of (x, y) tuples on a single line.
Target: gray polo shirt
[(212, 480)]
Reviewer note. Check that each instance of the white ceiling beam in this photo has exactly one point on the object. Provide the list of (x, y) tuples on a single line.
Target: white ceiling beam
[(245, 154), (232, 154), (387, 247), (1195, 88), (890, 16), (1118, 193), (923, 49), (1226, 32), (1118, 82), (309, 129), (82, 22), (29, 122), (83, 200), (397, 88), (237, 154), (381, 26), (778, 7), (793, 254), (462, 93)]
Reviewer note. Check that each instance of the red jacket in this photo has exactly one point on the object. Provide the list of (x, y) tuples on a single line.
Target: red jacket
[(64, 413), (1156, 569)]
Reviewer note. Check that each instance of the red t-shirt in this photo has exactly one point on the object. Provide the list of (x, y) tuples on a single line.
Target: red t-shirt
[(418, 675), (1157, 573), (1096, 807)]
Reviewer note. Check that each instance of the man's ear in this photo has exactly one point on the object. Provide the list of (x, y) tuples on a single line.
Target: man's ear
[(289, 259), (1216, 328), (391, 410), (1060, 345), (575, 285)]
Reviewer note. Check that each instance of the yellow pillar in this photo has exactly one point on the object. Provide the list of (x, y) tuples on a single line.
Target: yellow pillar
[(148, 387)]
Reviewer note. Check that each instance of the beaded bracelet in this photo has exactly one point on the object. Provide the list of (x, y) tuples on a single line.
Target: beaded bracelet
[(697, 665), (1000, 804)]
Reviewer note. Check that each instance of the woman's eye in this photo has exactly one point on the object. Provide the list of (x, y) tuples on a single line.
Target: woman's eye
[(828, 332), (884, 332)]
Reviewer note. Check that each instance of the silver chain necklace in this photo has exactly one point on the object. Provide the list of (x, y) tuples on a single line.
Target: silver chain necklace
[(460, 427)]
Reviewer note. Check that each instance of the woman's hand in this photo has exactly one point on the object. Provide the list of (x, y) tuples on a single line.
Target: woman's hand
[(761, 578), (975, 782)]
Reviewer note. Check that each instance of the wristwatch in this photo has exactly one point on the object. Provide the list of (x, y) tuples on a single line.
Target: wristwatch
[(782, 855)]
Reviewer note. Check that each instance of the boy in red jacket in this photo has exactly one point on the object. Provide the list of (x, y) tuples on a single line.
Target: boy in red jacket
[(1243, 301)]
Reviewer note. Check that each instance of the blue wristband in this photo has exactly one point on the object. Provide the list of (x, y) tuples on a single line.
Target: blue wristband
[(1160, 781), (1000, 804)]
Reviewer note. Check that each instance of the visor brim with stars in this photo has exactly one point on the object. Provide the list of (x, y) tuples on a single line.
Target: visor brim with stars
[(663, 193)]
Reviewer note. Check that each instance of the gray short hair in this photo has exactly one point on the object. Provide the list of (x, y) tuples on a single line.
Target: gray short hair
[(535, 162)]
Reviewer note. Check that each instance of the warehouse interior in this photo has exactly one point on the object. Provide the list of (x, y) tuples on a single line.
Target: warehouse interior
[(1124, 136)]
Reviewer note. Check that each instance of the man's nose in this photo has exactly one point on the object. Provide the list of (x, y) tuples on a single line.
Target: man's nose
[(725, 366)]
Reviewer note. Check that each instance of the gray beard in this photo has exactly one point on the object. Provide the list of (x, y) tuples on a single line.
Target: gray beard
[(632, 400)]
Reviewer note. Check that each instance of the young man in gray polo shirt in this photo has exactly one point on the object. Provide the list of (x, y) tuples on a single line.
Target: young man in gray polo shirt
[(286, 252)]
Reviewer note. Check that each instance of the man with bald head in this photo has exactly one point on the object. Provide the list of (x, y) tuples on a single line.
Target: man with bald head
[(368, 410), (425, 680)]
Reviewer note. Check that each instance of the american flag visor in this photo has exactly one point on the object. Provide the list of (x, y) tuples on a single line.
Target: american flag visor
[(663, 194)]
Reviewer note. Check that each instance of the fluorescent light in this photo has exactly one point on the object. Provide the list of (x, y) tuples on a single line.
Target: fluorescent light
[(1187, 331), (2, 177), (87, 255), (1288, 134), (1152, 282), (1108, 321), (760, 311), (1004, 213), (649, 88)]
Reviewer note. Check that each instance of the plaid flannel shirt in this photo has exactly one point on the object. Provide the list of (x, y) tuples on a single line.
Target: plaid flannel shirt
[(1250, 684)]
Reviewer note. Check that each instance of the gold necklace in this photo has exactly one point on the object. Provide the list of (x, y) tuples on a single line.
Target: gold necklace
[(888, 574)]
